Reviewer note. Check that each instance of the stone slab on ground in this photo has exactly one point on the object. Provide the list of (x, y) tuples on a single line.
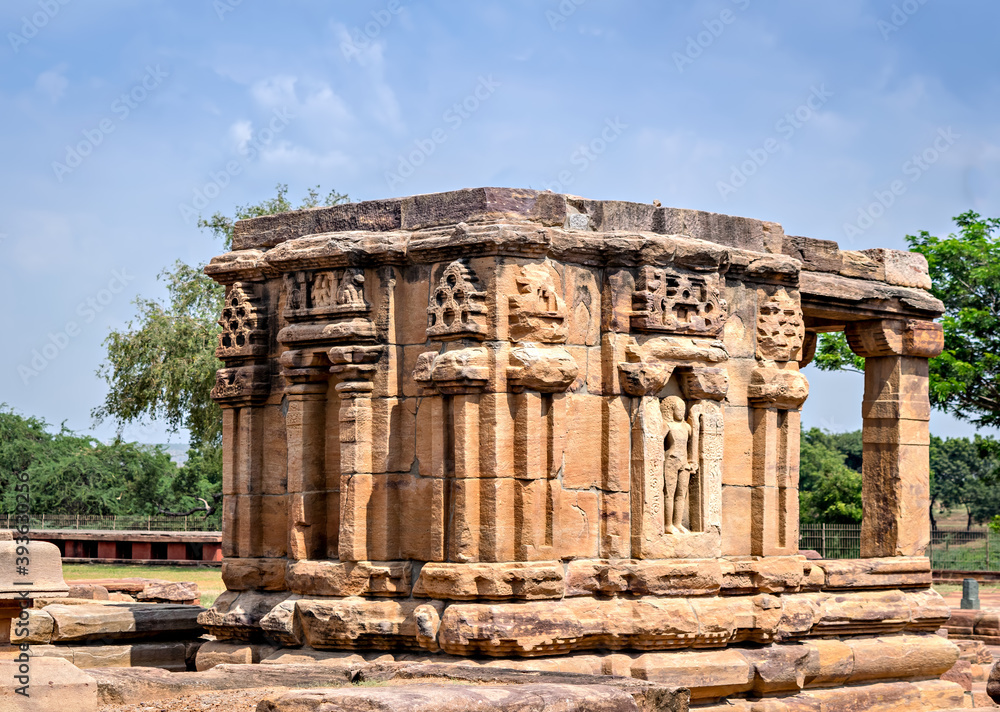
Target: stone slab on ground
[(482, 698), (121, 585), (130, 685), (170, 592), (54, 685), (167, 655), (223, 701), (123, 621)]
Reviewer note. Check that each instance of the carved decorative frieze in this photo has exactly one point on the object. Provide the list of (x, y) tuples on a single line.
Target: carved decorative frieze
[(243, 334), (329, 293), (780, 329), (537, 311), (457, 308), (242, 384), (679, 303)]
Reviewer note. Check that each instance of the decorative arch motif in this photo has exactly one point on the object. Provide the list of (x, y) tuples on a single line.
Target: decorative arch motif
[(457, 306)]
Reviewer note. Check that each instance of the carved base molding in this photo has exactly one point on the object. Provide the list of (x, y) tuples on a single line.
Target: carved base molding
[(538, 628), (585, 577)]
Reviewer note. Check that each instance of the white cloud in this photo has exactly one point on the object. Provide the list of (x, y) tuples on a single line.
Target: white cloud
[(51, 83)]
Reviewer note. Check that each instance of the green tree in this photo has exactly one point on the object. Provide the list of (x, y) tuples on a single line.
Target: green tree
[(161, 365), (963, 474), (829, 490), (73, 474), (965, 274)]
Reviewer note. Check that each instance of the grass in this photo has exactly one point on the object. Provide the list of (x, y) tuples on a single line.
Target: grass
[(209, 579)]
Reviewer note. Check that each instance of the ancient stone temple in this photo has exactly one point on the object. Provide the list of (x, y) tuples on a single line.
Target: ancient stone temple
[(531, 430)]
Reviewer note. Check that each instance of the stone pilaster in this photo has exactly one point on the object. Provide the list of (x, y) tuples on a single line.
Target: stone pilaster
[(895, 434), (776, 396), (355, 366), (307, 375)]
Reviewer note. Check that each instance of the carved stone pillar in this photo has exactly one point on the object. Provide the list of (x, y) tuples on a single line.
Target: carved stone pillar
[(452, 382), (355, 366), (307, 375), (240, 389), (776, 397), (896, 411)]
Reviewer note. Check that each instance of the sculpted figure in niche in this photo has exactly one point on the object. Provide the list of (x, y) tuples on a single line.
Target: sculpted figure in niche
[(680, 461)]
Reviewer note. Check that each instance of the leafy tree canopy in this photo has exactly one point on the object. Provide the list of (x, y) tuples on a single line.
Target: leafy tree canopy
[(73, 474), (161, 365), (965, 274), (829, 490)]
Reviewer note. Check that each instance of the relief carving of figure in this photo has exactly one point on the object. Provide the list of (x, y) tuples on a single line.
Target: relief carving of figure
[(680, 461), (352, 289)]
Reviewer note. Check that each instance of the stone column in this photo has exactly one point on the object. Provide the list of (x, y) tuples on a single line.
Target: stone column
[(355, 365), (776, 396), (239, 391), (307, 375), (896, 411)]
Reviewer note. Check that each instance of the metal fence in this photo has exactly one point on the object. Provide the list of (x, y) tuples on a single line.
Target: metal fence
[(975, 549), (193, 523), (832, 541)]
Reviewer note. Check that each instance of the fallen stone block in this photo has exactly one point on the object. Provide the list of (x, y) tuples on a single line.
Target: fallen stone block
[(170, 592), (123, 621), (167, 655), (482, 698), (130, 685), (92, 591), (53, 685), (220, 652)]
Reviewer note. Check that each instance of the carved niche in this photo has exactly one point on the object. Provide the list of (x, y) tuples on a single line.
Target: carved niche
[(457, 308), (680, 303), (243, 334), (780, 329), (677, 446), (537, 312), (328, 293)]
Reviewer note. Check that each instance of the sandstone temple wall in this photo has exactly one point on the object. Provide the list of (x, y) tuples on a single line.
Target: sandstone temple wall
[(518, 424)]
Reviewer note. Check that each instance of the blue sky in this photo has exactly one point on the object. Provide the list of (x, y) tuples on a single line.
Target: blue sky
[(122, 120)]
